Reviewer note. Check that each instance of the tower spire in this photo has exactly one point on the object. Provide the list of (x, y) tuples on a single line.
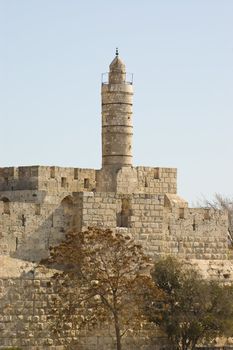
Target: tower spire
[(117, 52)]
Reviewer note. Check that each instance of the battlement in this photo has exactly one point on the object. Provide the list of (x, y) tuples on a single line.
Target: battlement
[(157, 180), (150, 180), (13, 178), (47, 178)]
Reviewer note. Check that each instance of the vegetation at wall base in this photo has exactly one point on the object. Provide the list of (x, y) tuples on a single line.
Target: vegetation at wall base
[(193, 309), (105, 277)]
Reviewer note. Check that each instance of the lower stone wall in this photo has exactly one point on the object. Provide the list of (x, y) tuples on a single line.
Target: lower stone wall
[(25, 300)]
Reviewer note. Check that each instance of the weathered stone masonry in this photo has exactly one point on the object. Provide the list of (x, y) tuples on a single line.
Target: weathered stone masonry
[(39, 203)]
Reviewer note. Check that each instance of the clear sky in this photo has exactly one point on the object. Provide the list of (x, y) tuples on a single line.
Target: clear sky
[(52, 54)]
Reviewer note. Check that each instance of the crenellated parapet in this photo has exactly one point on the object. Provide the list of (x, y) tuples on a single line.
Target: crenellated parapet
[(47, 178), (150, 180)]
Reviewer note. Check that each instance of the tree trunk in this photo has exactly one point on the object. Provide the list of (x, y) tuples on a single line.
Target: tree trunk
[(117, 331)]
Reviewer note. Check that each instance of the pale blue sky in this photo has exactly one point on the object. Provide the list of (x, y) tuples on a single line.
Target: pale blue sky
[(52, 54)]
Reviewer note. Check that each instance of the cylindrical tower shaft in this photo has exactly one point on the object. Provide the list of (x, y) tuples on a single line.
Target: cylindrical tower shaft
[(117, 127)]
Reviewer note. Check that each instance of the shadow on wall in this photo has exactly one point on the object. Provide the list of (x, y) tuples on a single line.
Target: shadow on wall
[(33, 245), (6, 205), (28, 196), (123, 216)]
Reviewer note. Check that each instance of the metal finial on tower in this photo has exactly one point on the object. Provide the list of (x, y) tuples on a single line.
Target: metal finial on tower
[(117, 52)]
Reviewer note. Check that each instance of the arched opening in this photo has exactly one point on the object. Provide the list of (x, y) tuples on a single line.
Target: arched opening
[(61, 219), (124, 215), (67, 211), (6, 205), (67, 204)]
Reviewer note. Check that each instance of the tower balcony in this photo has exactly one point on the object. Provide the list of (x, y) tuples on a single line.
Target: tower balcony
[(127, 79)]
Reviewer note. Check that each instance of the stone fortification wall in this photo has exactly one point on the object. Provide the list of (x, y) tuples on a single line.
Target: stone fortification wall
[(20, 196), (109, 179), (196, 233), (162, 229), (26, 297), (157, 180), (37, 219), (51, 179), (24, 303), (28, 229), (57, 179), (162, 223), (20, 178), (137, 180)]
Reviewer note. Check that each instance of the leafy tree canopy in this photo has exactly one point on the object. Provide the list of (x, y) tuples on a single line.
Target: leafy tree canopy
[(193, 309)]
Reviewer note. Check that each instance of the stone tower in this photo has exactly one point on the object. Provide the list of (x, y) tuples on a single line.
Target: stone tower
[(117, 128)]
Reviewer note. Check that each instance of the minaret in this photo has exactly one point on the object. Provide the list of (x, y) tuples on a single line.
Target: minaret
[(117, 127)]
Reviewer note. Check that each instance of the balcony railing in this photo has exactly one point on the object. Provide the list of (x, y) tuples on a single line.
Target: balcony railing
[(128, 78)]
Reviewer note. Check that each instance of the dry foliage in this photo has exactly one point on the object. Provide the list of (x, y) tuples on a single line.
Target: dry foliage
[(104, 277)]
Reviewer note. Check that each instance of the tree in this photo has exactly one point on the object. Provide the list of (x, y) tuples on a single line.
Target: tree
[(223, 203), (104, 276), (193, 309)]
